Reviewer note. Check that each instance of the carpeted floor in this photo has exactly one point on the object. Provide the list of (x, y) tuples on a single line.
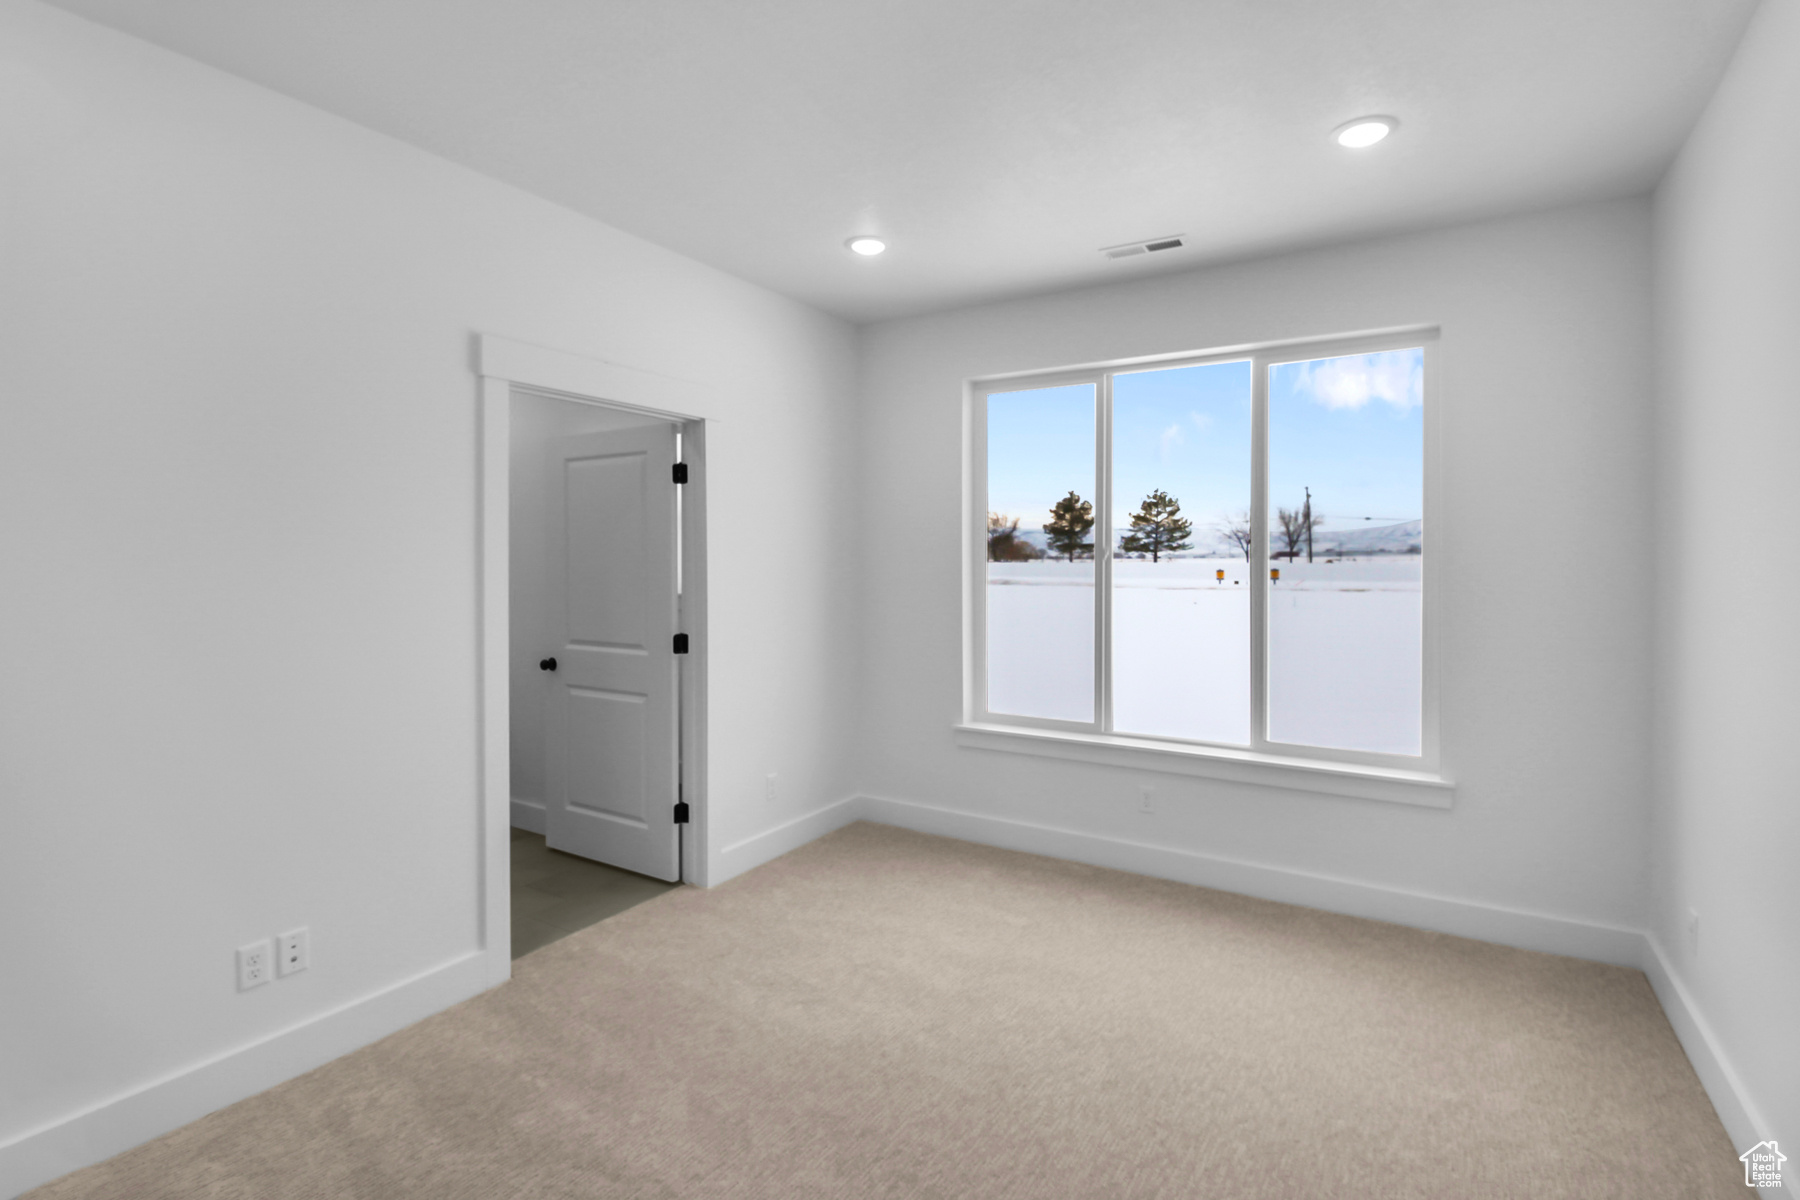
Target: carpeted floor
[(884, 1014)]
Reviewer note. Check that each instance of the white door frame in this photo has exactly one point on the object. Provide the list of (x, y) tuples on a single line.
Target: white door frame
[(506, 367)]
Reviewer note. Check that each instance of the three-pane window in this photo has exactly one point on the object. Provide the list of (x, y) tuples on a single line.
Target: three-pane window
[(1223, 550)]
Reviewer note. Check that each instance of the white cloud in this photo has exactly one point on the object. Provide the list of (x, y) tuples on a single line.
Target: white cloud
[(1171, 438), (1202, 421), (1393, 376)]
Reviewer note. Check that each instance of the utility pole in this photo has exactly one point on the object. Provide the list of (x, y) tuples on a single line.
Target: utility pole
[(1306, 515)]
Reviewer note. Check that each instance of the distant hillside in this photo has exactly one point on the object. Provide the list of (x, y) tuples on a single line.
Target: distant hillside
[(1408, 537)]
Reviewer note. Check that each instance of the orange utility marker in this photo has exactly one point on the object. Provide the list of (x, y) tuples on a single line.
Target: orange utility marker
[(1274, 574), (1219, 575)]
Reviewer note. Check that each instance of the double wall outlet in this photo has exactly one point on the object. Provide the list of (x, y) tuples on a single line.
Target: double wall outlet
[(268, 959), (256, 964), (770, 791), (1146, 798)]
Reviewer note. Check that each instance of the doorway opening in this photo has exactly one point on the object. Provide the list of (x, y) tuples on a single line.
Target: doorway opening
[(594, 577), (594, 643)]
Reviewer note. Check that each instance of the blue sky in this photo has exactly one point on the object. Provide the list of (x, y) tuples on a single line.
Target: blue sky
[(1185, 431), (1351, 428), (1040, 446)]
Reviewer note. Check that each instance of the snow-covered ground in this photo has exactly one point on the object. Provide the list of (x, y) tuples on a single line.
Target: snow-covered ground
[(1344, 649), (1040, 639)]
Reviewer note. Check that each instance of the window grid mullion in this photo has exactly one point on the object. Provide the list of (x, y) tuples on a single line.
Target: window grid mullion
[(1259, 553), (977, 699), (1103, 554)]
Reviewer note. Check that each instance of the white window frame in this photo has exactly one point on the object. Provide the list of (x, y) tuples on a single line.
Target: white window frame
[(1405, 778)]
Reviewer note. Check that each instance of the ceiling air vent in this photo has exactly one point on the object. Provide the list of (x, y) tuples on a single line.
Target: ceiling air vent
[(1132, 249)]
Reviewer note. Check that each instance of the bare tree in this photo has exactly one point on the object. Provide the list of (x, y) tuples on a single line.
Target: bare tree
[(1004, 543), (1294, 528), (1236, 528)]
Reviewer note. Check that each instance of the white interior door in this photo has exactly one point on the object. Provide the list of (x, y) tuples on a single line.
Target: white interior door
[(613, 759)]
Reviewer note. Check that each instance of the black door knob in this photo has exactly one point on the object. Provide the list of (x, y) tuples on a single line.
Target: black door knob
[(547, 664)]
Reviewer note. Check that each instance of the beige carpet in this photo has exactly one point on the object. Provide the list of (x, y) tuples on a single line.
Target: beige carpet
[(883, 1014)]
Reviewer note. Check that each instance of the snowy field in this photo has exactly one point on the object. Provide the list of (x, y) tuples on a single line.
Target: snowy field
[(1344, 651)]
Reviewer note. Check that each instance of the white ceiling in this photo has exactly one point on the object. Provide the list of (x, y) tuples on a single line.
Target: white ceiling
[(996, 144)]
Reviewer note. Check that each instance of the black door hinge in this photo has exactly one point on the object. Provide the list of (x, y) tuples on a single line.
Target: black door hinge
[(681, 643), (681, 812), (680, 472)]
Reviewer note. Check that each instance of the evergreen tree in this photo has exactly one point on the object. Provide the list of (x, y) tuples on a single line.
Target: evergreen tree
[(1158, 528), (1069, 523)]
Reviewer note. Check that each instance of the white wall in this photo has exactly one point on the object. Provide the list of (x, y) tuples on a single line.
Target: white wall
[(1543, 393), (238, 508), (536, 422), (1726, 831)]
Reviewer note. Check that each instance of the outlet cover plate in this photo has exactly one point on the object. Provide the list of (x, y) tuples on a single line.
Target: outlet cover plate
[(255, 964), (293, 952)]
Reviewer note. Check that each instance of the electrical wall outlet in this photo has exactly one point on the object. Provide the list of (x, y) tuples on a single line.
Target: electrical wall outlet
[(1693, 930), (1146, 798), (256, 964), (291, 952), (769, 790)]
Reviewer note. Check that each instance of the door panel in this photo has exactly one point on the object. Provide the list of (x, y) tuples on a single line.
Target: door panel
[(612, 764), (611, 758), (606, 606)]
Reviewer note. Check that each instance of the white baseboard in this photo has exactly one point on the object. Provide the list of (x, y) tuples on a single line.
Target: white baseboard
[(46, 1153), (113, 1126), (1741, 1116), (528, 815), (758, 849), (1488, 923)]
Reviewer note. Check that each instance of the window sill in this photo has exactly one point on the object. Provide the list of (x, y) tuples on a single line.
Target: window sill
[(1215, 762)]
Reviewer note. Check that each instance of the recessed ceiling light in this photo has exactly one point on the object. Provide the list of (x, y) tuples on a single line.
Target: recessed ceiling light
[(1364, 131), (866, 245)]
